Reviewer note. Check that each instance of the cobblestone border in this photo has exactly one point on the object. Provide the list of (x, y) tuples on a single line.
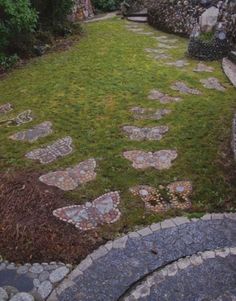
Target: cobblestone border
[(234, 137), (143, 289), (113, 268)]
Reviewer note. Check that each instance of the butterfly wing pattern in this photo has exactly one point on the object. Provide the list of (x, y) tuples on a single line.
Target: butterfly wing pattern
[(103, 210), (50, 153)]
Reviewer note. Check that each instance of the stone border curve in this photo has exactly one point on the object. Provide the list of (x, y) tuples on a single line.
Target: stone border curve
[(108, 272)]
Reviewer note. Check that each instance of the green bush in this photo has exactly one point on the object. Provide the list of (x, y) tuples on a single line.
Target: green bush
[(53, 14), (106, 5), (17, 23), (7, 62)]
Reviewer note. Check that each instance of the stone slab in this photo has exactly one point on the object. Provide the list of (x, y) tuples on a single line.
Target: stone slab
[(183, 88), (142, 113), (212, 83), (146, 133), (60, 148), (162, 97), (230, 70)]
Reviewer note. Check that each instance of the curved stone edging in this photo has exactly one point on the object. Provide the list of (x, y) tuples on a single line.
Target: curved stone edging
[(107, 273), (198, 277)]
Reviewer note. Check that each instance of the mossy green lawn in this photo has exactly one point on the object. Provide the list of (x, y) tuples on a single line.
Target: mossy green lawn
[(87, 93)]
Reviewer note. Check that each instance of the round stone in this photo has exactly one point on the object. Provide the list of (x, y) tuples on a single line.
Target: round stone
[(143, 192), (36, 269), (22, 269), (45, 289), (180, 189), (44, 276), (58, 274), (22, 297), (3, 294)]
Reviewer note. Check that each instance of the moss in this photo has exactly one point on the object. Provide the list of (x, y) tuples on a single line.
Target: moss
[(87, 93)]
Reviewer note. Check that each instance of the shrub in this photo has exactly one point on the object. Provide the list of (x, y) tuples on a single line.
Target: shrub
[(106, 5), (17, 22), (7, 62), (53, 14)]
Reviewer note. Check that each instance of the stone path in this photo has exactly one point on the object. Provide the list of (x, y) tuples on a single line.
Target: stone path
[(178, 64), (37, 280), (5, 108), (60, 148), (71, 178), (159, 160), (174, 196), (177, 256), (162, 97), (20, 119), (203, 68), (31, 135), (140, 134), (141, 113), (213, 84), (230, 70), (92, 214), (183, 88)]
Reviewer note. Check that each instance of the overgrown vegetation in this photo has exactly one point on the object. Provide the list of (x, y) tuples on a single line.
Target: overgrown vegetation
[(23, 23), (106, 5)]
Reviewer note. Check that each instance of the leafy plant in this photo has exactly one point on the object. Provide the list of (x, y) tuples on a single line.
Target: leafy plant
[(106, 5), (7, 62), (17, 22)]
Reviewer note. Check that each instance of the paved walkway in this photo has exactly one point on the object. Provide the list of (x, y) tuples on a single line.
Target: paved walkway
[(171, 248)]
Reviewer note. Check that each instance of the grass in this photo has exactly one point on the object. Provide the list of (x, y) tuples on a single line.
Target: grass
[(87, 92)]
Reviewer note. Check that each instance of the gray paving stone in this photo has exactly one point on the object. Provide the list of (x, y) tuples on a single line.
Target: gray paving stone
[(167, 224), (3, 294), (144, 232), (45, 289), (22, 297), (58, 274)]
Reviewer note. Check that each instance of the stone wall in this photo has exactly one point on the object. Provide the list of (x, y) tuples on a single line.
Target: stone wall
[(180, 16), (82, 10)]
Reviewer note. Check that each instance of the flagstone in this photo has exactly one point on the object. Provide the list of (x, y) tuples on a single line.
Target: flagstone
[(203, 68), (213, 84), (31, 135), (20, 119), (141, 113), (159, 160), (103, 210), (162, 97), (71, 178), (60, 148), (163, 45), (178, 64), (183, 88), (146, 133), (173, 196), (5, 108), (154, 50), (161, 56)]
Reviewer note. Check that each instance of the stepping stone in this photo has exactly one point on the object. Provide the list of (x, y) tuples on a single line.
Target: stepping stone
[(213, 84), (102, 210), (22, 118), (140, 134), (178, 64), (31, 135), (60, 148), (162, 45), (7, 107), (138, 19), (71, 178), (174, 196), (203, 68), (145, 33), (154, 50), (162, 56), (141, 113), (165, 39), (159, 160), (230, 70), (136, 29), (163, 98), (183, 88)]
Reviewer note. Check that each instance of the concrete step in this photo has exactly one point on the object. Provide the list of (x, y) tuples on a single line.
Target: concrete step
[(232, 56), (138, 19), (142, 13), (229, 68)]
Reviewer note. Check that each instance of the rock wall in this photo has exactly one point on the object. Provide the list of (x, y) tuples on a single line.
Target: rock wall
[(180, 16), (82, 10)]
